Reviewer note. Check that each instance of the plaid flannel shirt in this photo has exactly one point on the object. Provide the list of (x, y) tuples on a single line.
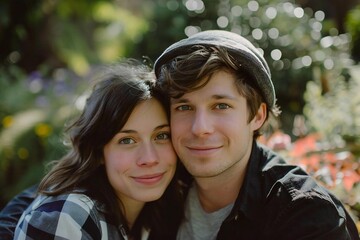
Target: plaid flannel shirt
[(70, 216)]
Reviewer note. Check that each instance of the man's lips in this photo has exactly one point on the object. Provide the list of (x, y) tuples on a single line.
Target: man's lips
[(149, 178), (203, 149)]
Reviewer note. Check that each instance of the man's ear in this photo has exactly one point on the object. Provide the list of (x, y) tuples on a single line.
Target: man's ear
[(260, 117)]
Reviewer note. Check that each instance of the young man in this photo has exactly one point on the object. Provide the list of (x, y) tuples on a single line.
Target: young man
[(221, 95)]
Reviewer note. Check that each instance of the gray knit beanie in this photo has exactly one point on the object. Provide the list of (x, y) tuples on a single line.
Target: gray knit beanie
[(240, 48)]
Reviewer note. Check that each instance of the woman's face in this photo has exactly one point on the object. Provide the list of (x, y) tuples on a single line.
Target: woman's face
[(139, 160)]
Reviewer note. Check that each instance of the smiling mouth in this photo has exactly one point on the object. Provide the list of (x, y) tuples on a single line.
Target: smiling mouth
[(149, 179), (203, 150)]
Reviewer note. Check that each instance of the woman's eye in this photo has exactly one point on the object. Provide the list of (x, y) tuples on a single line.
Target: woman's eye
[(222, 106), (126, 141), (163, 136), (183, 108)]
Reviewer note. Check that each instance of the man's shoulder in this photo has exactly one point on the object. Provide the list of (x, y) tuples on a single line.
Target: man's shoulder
[(294, 201), (277, 175), (284, 184)]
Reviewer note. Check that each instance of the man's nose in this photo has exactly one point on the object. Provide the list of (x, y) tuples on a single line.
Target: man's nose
[(201, 124)]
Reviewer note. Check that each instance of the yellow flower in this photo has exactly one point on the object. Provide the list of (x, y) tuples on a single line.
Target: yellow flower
[(43, 130), (7, 121)]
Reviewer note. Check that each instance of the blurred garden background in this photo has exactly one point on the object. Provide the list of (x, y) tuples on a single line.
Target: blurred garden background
[(50, 49)]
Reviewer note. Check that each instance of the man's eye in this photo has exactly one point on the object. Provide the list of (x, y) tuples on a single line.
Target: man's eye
[(183, 108), (222, 106), (163, 136), (126, 141)]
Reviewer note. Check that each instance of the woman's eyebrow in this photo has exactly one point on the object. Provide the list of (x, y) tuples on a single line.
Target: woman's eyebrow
[(162, 126)]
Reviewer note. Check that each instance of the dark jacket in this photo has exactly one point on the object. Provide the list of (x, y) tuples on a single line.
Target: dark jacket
[(11, 213), (282, 202)]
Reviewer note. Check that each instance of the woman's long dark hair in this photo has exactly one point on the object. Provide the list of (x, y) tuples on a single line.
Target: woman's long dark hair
[(107, 110)]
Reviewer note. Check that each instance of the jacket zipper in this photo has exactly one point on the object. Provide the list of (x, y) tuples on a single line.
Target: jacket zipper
[(123, 232)]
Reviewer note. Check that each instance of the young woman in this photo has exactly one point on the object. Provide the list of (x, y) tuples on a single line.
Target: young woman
[(116, 182)]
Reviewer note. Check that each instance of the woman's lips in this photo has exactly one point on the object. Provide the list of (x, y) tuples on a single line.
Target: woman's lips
[(149, 179)]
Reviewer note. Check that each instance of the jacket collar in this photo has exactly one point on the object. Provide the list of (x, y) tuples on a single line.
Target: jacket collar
[(249, 202)]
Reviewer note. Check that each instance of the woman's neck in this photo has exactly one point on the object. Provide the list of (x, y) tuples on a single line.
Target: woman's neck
[(132, 210)]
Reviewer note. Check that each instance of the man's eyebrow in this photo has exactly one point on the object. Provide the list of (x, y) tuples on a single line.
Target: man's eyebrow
[(223, 96), (215, 96), (179, 100)]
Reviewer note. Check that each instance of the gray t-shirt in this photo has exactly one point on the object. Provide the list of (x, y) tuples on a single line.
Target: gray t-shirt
[(198, 224)]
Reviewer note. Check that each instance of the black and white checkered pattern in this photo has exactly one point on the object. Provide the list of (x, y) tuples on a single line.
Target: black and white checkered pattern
[(70, 216)]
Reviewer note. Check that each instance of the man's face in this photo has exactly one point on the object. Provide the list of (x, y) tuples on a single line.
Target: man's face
[(210, 129)]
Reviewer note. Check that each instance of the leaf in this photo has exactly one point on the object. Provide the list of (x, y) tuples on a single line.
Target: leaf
[(350, 178), (304, 145)]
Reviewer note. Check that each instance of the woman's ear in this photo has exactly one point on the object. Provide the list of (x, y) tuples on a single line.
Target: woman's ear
[(259, 118)]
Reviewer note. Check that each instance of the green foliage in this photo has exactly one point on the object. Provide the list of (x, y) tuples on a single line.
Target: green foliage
[(105, 34), (353, 27), (336, 111), (332, 111), (34, 110), (71, 34)]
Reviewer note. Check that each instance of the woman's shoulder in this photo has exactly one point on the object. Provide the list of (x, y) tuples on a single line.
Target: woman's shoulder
[(71, 203), (66, 215), (63, 202)]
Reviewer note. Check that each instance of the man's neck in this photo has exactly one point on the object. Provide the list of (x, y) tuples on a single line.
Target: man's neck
[(219, 191)]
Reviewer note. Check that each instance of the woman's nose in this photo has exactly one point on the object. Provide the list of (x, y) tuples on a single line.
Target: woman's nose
[(149, 155)]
